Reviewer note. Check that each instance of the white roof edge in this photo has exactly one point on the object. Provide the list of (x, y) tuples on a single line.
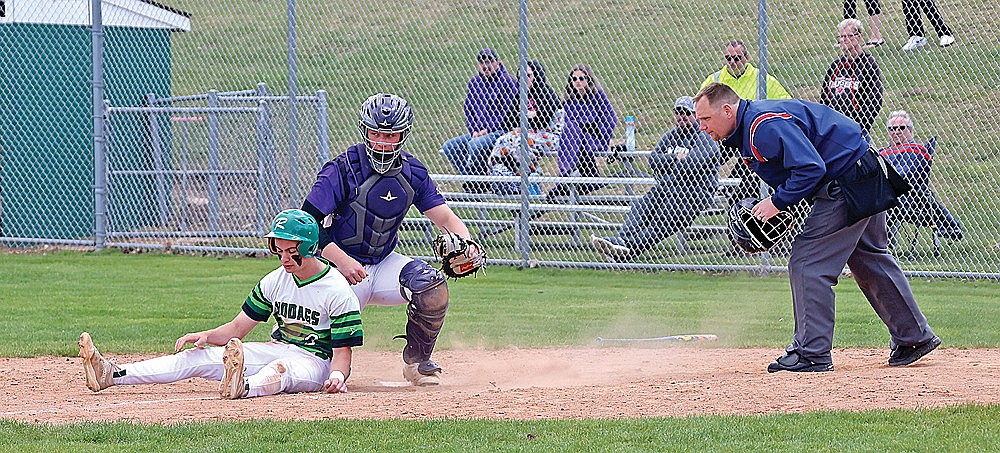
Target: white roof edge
[(155, 12), (116, 13)]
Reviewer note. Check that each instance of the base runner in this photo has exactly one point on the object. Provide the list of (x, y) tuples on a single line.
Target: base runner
[(318, 321)]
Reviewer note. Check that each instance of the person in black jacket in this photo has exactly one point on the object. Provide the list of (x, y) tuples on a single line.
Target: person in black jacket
[(685, 164), (853, 84), (542, 101)]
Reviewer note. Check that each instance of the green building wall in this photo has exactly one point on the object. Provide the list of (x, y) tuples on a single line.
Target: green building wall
[(46, 125)]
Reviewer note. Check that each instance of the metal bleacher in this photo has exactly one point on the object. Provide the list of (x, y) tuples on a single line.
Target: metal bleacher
[(601, 212)]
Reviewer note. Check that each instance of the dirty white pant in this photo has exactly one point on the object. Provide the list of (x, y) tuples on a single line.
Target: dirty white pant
[(270, 368)]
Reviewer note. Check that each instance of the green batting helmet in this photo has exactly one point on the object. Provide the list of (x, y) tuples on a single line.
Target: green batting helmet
[(295, 225)]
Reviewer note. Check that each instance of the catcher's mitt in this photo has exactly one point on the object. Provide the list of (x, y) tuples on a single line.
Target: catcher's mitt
[(459, 256)]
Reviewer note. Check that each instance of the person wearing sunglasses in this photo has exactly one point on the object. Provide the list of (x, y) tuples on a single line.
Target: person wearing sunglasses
[(685, 163), (317, 322), (853, 83), (912, 160), (490, 94), (589, 122), (741, 76)]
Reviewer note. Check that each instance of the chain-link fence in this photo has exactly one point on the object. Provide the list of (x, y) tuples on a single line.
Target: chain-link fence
[(220, 113)]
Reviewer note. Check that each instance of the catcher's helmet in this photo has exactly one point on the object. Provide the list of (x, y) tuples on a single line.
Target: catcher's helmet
[(752, 234), (384, 113), (295, 225)]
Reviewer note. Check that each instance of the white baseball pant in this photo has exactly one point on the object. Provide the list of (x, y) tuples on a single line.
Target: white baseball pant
[(270, 368)]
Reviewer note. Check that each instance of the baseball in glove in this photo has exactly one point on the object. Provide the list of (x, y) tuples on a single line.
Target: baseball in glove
[(459, 256)]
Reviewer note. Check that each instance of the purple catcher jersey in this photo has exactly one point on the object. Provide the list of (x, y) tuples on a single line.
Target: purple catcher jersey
[(364, 208)]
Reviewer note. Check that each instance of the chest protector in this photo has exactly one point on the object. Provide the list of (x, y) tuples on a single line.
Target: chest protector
[(378, 209)]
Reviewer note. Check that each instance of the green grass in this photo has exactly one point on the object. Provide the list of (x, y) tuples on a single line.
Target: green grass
[(645, 53), (964, 428), (141, 303)]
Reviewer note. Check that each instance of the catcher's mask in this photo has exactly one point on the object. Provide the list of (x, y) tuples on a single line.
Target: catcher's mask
[(295, 225), (384, 113), (754, 235)]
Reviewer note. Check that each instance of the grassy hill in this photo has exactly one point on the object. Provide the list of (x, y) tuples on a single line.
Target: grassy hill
[(645, 53)]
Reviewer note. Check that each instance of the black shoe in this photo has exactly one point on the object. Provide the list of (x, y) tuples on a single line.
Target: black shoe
[(905, 355), (792, 361)]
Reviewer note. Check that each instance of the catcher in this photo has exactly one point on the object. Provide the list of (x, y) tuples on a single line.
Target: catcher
[(360, 199)]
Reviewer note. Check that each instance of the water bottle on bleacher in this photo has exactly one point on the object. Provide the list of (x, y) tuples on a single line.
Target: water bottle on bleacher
[(630, 134)]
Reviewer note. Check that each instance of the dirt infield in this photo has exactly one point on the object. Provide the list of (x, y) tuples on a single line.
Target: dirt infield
[(527, 384)]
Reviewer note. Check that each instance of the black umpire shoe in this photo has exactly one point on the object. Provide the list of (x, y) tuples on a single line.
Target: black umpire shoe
[(905, 355), (792, 361)]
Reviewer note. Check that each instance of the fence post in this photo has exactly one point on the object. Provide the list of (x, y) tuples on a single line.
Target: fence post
[(524, 239), (213, 162), (100, 138), (762, 49), (269, 175), (293, 118), (185, 175), (262, 168), (158, 166), (322, 128), (765, 258)]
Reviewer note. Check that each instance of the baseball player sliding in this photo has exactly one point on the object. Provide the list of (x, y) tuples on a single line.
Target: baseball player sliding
[(317, 322)]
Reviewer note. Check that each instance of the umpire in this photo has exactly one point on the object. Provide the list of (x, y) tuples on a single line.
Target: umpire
[(807, 151)]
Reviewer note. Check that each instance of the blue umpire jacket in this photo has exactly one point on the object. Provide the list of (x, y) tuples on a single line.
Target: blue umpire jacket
[(795, 146)]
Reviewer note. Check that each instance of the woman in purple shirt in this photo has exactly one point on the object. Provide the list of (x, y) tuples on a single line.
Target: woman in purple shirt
[(590, 121)]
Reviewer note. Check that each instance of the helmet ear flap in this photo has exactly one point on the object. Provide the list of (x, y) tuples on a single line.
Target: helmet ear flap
[(272, 246), (308, 249)]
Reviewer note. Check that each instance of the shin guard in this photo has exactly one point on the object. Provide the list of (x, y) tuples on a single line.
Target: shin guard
[(427, 292)]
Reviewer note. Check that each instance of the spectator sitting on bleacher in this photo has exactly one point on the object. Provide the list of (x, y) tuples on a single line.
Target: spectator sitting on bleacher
[(686, 165), (490, 95), (544, 127), (590, 121), (913, 161)]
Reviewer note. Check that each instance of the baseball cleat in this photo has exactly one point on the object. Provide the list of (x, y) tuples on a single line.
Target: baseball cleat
[(422, 374), (234, 384), (98, 371), (905, 355)]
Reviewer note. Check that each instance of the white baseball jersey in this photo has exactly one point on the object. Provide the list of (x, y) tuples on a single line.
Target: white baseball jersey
[(318, 314)]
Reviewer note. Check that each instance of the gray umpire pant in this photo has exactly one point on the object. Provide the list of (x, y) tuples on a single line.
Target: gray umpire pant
[(818, 256)]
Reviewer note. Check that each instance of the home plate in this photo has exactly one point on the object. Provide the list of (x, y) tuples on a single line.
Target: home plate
[(395, 383)]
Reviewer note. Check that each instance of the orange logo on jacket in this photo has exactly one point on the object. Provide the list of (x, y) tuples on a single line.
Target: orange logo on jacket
[(756, 123)]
